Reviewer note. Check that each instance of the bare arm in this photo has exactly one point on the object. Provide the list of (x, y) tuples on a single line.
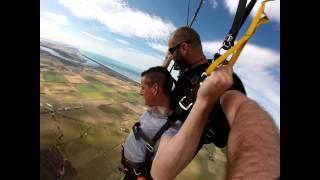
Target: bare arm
[(254, 141), (175, 153)]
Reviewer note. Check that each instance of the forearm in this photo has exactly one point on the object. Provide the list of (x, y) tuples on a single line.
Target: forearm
[(253, 145), (180, 149)]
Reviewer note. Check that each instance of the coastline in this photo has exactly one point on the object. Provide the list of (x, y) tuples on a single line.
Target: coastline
[(101, 67)]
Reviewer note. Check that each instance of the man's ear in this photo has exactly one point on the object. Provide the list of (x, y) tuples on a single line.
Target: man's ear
[(184, 49), (155, 89)]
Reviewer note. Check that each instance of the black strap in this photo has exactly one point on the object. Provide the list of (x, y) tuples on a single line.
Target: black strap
[(162, 130), (242, 13), (133, 169), (137, 131), (238, 18), (248, 10)]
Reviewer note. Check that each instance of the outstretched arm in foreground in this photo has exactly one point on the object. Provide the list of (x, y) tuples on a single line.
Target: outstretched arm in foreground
[(175, 153), (254, 140)]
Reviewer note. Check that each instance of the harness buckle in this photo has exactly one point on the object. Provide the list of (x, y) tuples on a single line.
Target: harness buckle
[(185, 107), (149, 147), (135, 129), (123, 169), (136, 173), (228, 42), (210, 133)]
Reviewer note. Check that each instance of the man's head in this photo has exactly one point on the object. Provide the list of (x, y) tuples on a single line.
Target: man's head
[(156, 84), (185, 46)]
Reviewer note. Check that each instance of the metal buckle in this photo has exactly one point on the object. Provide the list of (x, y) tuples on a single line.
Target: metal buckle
[(149, 147), (122, 169), (228, 38), (204, 75), (227, 43), (135, 172), (212, 133), (135, 130), (183, 106)]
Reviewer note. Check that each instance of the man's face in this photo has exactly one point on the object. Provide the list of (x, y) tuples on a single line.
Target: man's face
[(176, 54), (147, 92)]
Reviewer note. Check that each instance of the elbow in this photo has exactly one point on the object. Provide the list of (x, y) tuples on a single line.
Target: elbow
[(154, 173), (157, 176), (157, 173)]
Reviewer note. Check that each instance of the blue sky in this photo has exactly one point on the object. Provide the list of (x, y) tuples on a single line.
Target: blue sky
[(135, 32)]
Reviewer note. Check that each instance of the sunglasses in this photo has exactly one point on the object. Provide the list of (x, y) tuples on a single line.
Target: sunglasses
[(171, 50)]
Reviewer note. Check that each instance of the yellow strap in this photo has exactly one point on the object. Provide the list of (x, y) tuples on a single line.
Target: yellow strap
[(236, 49)]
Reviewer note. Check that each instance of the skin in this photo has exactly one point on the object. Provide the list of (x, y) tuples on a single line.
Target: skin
[(178, 146), (253, 142)]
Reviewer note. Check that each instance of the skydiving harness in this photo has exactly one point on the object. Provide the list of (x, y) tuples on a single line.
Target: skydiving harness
[(185, 104)]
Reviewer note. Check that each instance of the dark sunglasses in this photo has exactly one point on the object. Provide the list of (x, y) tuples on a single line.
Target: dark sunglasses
[(171, 50)]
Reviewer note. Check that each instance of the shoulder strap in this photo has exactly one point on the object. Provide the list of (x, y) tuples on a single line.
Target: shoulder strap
[(242, 13)]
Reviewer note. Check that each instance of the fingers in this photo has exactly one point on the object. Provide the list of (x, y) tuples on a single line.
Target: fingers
[(167, 59), (223, 75), (217, 83)]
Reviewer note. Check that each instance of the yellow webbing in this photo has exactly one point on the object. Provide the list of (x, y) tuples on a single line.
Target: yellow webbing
[(237, 48)]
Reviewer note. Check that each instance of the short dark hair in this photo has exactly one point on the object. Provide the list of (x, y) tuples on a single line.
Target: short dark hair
[(186, 33), (161, 76)]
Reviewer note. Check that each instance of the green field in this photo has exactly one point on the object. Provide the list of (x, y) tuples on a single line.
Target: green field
[(90, 137), (203, 168), (54, 77), (130, 96), (134, 97), (115, 111), (94, 89)]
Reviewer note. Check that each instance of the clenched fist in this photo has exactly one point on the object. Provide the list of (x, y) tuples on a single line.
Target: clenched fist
[(216, 84)]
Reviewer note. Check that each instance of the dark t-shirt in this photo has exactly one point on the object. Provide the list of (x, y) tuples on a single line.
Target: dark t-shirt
[(217, 120)]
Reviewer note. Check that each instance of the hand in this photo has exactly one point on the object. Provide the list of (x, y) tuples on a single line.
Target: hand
[(167, 59), (216, 84)]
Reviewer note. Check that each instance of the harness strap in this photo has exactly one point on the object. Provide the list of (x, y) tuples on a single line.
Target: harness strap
[(138, 168), (240, 17), (137, 131), (236, 50)]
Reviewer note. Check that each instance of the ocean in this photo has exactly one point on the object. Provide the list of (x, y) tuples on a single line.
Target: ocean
[(124, 69)]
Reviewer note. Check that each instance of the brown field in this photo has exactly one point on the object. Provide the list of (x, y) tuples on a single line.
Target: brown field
[(58, 88), (75, 79), (90, 135)]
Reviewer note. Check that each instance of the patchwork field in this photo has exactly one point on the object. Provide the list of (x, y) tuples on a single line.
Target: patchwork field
[(86, 114)]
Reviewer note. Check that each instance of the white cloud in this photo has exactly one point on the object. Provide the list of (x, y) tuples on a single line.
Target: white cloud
[(160, 47), (131, 49), (133, 57), (272, 8), (122, 41), (51, 24), (57, 18), (214, 3), (52, 28), (94, 36), (253, 67), (119, 18)]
